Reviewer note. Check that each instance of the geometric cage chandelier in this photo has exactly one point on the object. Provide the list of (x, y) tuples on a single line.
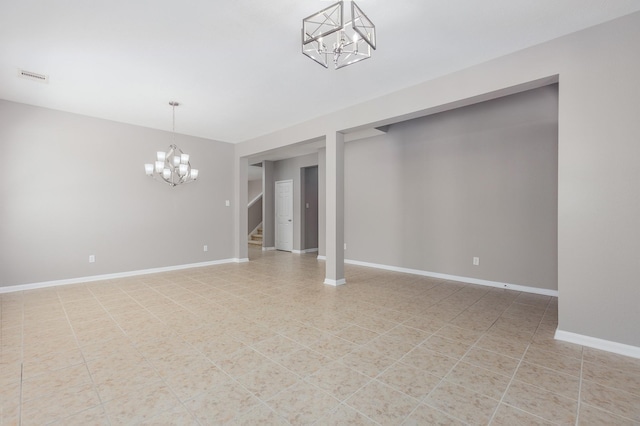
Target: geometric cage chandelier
[(172, 166), (325, 35)]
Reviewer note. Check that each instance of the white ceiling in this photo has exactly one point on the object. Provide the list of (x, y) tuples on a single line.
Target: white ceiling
[(236, 66)]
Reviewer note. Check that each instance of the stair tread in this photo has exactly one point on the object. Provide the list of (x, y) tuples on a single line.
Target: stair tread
[(256, 237)]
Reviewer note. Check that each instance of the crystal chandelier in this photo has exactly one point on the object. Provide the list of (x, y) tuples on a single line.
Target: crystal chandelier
[(172, 166), (325, 35)]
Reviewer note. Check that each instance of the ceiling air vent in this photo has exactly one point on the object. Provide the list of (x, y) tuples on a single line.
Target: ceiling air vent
[(33, 76)]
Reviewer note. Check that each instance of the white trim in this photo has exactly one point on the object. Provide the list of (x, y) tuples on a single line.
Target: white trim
[(45, 284), (311, 250), (335, 283), (321, 257), (268, 248), (252, 202), (594, 342), (240, 260), (516, 287)]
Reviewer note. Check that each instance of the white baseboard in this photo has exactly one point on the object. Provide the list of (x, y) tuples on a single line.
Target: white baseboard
[(335, 283), (268, 248), (468, 280), (321, 257), (312, 250), (594, 342), (44, 284)]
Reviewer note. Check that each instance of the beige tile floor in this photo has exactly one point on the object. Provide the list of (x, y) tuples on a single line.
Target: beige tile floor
[(266, 343)]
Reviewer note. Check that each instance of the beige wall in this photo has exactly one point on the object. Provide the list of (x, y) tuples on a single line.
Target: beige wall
[(73, 186), (479, 181), (598, 173)]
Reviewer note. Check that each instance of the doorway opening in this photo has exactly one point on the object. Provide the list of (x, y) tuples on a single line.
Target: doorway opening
[(284, 215)]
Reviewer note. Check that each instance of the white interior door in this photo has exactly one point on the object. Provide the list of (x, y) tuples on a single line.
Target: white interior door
[(284, 215)]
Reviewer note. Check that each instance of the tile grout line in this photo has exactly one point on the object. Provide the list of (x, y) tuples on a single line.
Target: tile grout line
[(580, 389), (513, 377), (177, 334), (471, 347), (516, 371), (162, 379), (344, 404), (84, 360), (303, 379), (117, 324), (21, 360), (444, 376), (421, 401), (474, 345), (213, 362)]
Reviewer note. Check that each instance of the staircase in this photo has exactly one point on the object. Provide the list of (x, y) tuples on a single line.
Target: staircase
[(255, 239)]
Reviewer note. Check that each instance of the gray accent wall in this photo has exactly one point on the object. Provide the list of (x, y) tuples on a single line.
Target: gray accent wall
[(479, 181), (73, 186), (310, 206)]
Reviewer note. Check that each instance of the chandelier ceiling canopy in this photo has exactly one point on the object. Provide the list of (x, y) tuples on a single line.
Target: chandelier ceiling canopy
[(325, 35)]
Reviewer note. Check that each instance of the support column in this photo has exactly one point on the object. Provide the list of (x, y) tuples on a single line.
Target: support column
[(268, 212), (240, 209), (322, 205), (334, 202)]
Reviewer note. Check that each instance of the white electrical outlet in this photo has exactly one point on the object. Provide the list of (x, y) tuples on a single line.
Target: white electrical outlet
[(345, 246), (476, 261), (205, 248), (92, 258), (227, 203)]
